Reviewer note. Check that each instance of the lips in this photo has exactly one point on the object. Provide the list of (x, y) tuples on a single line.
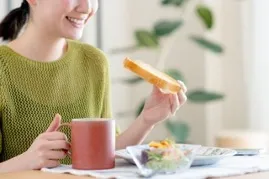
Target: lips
[(76, 21)]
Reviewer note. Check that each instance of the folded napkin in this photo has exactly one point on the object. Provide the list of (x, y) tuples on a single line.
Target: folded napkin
[(231, 166), (122, 170)]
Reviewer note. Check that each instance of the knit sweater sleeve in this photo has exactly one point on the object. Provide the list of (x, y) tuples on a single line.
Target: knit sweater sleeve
[(106, 108)]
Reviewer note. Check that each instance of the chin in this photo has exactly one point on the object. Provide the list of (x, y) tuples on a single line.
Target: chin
[(73, 35)]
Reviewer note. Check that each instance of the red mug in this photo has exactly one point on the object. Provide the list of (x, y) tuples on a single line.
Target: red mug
[(92, 143)]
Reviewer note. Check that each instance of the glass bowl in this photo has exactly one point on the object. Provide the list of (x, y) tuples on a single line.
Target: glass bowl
[(165, 160)]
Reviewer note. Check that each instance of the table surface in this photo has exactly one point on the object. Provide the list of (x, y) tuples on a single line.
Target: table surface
[(43, 175)]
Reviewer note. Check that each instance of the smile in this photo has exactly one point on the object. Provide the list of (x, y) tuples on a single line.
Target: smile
[(76, 22)]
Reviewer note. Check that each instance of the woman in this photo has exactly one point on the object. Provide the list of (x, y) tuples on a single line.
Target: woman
[(44, 71)]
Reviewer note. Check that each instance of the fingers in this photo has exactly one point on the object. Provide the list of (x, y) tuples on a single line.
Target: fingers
[(177, 100), (55, 123), (51, 163), (55, 140), (54, 136), (182, 98), (174, 103), (58, 144), (156, 91), (55, 155), (183, 86)]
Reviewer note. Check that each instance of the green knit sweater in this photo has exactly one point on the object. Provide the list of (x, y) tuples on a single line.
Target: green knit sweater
[(32, 92)]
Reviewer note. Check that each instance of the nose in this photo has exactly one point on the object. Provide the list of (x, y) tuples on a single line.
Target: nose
[(86, 6)]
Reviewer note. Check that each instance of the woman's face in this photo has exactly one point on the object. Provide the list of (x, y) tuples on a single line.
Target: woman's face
[(62, 18)]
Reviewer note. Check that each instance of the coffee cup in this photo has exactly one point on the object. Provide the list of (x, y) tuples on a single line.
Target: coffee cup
[(92, 143)]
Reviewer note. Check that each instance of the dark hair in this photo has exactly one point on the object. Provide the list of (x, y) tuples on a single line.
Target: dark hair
[(12, 24)]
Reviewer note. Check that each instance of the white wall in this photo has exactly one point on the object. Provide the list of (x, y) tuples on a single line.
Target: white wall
[(235, 114), (214, 74), (258, 65), (2, 9), (244, 66), (227, 73)]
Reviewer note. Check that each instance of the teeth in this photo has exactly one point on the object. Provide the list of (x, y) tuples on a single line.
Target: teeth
[(77, 21)]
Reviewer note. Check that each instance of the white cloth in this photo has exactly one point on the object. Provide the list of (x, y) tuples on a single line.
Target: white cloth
[(237, 165)]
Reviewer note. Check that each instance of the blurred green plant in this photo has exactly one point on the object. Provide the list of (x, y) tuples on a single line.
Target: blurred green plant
[(151, 39)]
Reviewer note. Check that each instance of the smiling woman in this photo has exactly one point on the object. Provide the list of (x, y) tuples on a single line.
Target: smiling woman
[(93, 29), (54, 19), (46, 70)]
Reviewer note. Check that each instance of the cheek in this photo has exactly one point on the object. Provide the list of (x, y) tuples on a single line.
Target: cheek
[(67, 3), (56, 11), (51, 10)]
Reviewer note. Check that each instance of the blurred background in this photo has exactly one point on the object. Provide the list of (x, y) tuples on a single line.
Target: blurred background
[(219, 48)]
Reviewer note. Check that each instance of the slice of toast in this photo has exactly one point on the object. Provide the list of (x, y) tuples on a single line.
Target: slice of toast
[(160, 79)]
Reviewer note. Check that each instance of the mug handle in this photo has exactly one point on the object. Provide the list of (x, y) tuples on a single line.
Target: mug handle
[(69, 126)]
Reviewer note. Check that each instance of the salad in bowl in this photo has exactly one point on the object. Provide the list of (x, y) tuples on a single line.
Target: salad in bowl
[(163, 156)]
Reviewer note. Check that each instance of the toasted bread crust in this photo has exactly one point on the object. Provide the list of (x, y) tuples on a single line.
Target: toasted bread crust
[(153, 76)]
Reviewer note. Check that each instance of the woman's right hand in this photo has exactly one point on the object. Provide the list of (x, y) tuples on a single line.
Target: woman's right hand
[(48, 148)]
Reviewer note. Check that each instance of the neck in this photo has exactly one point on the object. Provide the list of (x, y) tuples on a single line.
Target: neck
[(39, 46)]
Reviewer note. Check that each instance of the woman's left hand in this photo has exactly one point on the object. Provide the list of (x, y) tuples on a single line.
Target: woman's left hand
[(160, 106)]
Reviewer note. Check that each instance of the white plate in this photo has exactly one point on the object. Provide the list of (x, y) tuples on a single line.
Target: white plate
[(204, 156)]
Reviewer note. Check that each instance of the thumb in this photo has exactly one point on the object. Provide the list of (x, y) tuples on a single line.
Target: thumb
[(157, 91), (55, 123)]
